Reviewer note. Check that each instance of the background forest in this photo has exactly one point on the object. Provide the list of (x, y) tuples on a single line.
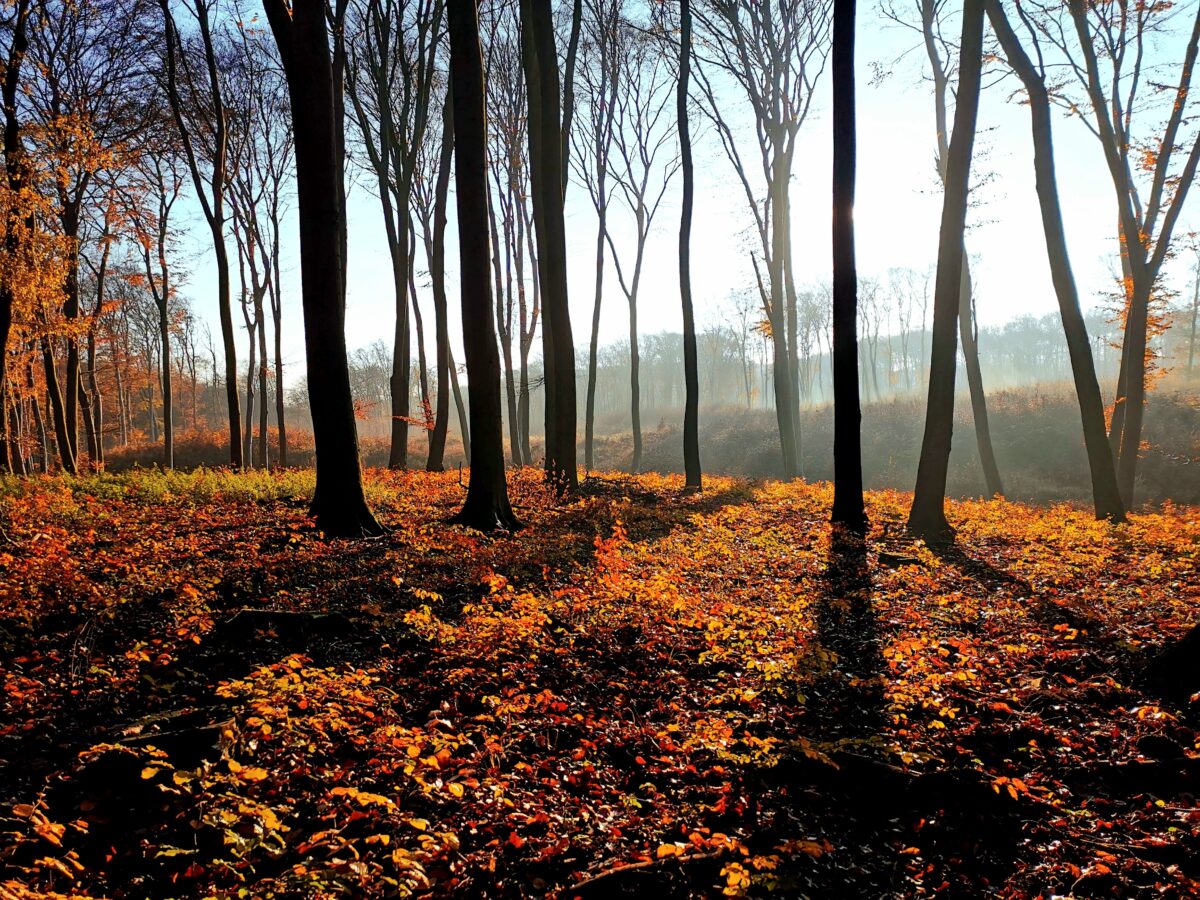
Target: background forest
[(154, 306)]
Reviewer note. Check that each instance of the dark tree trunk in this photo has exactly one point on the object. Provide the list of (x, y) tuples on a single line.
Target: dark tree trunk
[(927, 518), (437, 275), (486, 507), (1105, 495), (338, 504), (848, 510), (545, 159), (693, 477)]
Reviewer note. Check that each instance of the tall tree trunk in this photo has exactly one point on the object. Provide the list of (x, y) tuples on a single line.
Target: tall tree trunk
[(927, 518), (589, 425), (1106, 497), (848, 510), (635, 387), (784, 405), (545, 146), (486, 507), (401, 352), (338, 504), (437, 275), (164, 335)]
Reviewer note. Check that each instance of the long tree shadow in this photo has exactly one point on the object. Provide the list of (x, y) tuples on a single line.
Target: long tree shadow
[(988, 575), (851, 693)]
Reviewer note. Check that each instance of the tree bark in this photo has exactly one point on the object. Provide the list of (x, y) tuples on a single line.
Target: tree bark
[(338, 505), (693, 477), (927, 518), (486, 507), (848, 510)]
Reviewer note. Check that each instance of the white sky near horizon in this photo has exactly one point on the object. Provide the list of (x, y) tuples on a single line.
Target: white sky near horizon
[(896, 219)]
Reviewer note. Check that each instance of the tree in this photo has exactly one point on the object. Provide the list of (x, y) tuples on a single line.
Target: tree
[(774, 53), (432, 214), (966, 319), (259, 158), (927, 518), (1122, 30), (338, 504), (15, 167), (693, 478), (598, 74), (148, 206), (642, 134), (486, 507), (1105, 494), (540, 61), (198, 105), (86, 104), (390, 79), (848, 510)]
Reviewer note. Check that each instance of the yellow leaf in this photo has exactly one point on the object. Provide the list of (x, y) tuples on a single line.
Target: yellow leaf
[(455, 788), (148, 773)]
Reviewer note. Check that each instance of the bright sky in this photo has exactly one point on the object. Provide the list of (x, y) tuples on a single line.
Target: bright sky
[(896, 217)]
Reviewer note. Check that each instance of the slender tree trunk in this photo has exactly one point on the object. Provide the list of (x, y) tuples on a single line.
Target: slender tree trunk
[(418, 321), (1106, 496), (251, 375), (927, 518), (401, 354), (164, 335), (338, 504), (486, 507), (504, 330), (784, 405), (464, 425), (635, 387), (848, 509), (437, 274), (280, 401), (263, 457), (589, 427)]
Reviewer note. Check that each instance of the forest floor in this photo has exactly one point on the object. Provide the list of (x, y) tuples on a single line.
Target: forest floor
[(641, 692)]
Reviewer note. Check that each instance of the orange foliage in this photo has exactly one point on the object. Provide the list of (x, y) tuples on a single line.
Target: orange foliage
[(641, 677)]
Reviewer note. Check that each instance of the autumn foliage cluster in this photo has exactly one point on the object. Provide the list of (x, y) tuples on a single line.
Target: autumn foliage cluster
[(642, 691)]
